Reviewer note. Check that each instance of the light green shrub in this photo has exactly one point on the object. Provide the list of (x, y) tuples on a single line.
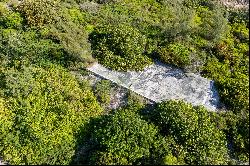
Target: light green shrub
[(45, 109), (176, 54), (39, 12), (9, 19)]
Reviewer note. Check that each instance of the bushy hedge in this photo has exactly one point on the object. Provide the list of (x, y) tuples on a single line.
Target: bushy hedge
[(42, 110), (120, 47)]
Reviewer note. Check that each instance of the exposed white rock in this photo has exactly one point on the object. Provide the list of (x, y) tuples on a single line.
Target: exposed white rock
[(2, 162), (160, 82)]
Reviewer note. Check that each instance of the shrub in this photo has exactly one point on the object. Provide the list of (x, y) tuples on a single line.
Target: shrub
[(240, 30), (64, 26), (24, 48), (102, 91), (43, 111), (124, 138), (9, 19), (213, 23), (230, 68), (176, 54), (73, 40), (39, 12), (235, 92), (119, 47), (196, 136), (232, 83), (236, 128)]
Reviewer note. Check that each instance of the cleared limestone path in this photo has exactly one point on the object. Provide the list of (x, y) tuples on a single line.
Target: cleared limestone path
[(160, 82)]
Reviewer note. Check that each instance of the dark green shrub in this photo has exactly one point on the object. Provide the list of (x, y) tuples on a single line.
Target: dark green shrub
[(73, 40), (124, 138), (198, 137), (42, 113), (64, 26), (236, 128), (25, 48), (119, 47)]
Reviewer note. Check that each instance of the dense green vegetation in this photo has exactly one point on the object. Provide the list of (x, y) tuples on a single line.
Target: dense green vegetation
[(43, 108), (173, 132), (48, 116)]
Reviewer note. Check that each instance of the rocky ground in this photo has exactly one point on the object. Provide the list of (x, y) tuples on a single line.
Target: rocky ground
[(2, 162), (160, 82), (236, 4)]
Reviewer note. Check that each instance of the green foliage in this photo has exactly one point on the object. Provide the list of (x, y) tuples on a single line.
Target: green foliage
[(124, 138), (135, 100), (43, 109), (240, 30), (64, 26), (231, 78), (42, 113), (212, 23), (102, 91), (24, 48), (120, 47), (9, 19), (229, 66), (176, 54), (197, 138), (236, 127), (39, 12)]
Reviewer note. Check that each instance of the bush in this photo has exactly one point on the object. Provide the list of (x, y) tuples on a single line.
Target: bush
[(197, 138), (39, 12), (43, 111), (212, 24), (236, 128), (230, 65), (176, 54), (240, 30), (119, 47), (232, 84), (124, 138), (64, 26), (9, 19), (102, 91), (235, 92), (24, 48)]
